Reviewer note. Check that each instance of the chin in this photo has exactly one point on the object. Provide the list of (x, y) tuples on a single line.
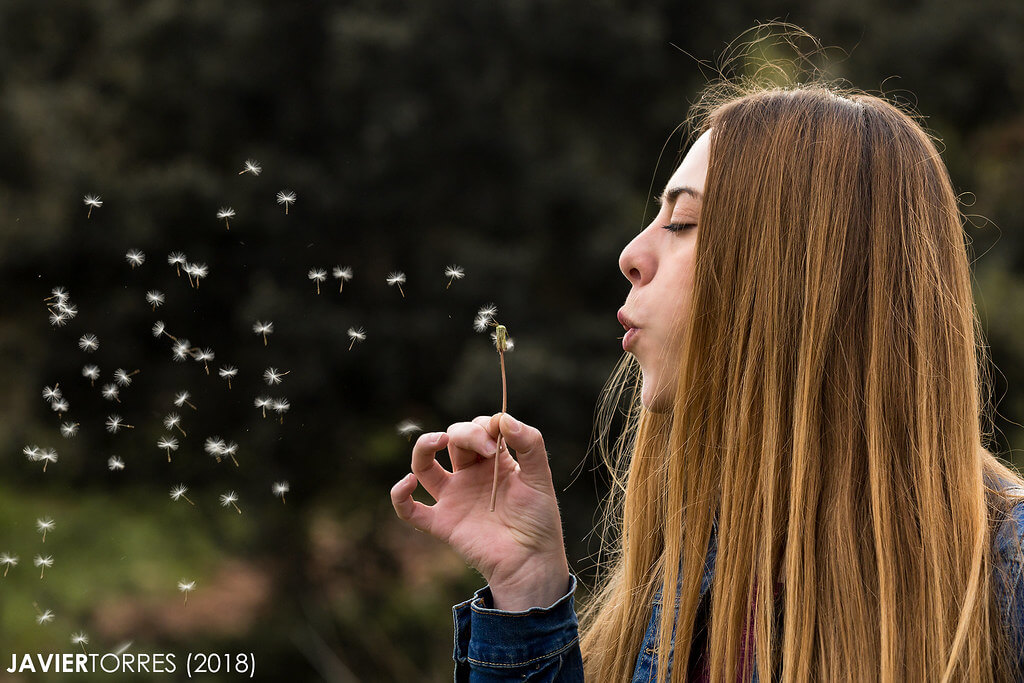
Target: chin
[(654, 398)]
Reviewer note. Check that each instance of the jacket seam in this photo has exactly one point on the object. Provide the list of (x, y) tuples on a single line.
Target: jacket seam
[(503, 665)]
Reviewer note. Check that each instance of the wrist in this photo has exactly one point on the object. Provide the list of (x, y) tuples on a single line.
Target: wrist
[(540, 586)]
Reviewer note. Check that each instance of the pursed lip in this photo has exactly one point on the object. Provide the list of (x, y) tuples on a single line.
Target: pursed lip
[(624, 320)]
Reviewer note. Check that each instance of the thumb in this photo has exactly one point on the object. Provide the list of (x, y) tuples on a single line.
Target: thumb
[(528, 444)]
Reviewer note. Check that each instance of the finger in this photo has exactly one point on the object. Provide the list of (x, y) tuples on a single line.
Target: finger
[(528, 443), (468, 444), (489, 423), (424, 465), (409, 510)]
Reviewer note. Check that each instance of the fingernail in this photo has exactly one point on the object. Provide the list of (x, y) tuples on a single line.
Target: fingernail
[(514, 425)]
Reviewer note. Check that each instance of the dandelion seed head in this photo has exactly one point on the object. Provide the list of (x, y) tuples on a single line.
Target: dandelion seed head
[(228, 498), (9, 560), (158, 328), (52, 393), (260, 327), (487, 311), (181, 398), (280, 488), (185, 586), (46, 617), (92, 200), (176, 258), (252, 166), (88, 342), (91, 372), (214, 445), (122, 377), (45, 524), (167, 443), (342, 273), (396, 278), (58, 319), (68, 429), (79, 639), (317, 274), (135, 257), (262, 401), (272, 376), (280, 405), (115, 463), (47, 455), (155, 297), (356, 334), (60, 406), (172, 420), (114, 423), (408, 427), (178, 491), (226, 212), (110, 391), (227, 371), (180, 350), (204, 355), (41, 561), (286, 197), (69, 311), (455, 272), (32, 452)]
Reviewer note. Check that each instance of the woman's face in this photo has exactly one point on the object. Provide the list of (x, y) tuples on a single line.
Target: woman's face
[(659, 265)]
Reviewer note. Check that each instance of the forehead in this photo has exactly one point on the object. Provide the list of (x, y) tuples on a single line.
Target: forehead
[(693, 170)]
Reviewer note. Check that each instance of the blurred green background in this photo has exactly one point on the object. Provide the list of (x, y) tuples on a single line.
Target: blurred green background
[(518, 139)]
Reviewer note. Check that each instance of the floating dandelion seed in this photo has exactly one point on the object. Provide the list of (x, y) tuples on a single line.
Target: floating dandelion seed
[(197, 271), (167, 443), (32, 453), (46, 455), (44, 524), (80, 639), (178, 492), (69, 311), (397, 278), (93, 201), (110, 392), (58, 293), (342, 274), (356, 335), (286, 197), (214, 446), (68, 429), (155, 298), (88, 342), (43, 562), (251, 166), (58, 319), (186, 586), (8, 561), (181, 399), (123, 377), (263, 402), (176, 259), (135, 257), (173, 421), (160, 329), (227, 372), (318, 275), (181, 350), (115, 423), (280, 488), (44, 617), (280, 406), (453, 273), (484, 317), (92, 372), (263, 328), (60, 406), (229, 498), (408, 428), (229, 450), (225, 213), (52, 393), (115, 463), (204, 357), (272, 376)]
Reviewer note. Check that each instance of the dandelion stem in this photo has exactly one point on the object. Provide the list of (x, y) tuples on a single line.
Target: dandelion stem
[(190, 503), (83, 646), (6, 568), (501, 439), (400, 290), (236, 507)]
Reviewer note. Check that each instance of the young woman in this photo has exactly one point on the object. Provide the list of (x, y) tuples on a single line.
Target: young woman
[(802, 467)]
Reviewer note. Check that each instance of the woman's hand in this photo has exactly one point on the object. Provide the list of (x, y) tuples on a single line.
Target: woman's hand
[(518, 548)]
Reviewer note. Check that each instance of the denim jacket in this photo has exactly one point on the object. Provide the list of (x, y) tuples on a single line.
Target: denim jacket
[(542, 644)]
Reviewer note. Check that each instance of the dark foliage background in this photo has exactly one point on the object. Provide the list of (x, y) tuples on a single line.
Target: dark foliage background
[(518, 139)]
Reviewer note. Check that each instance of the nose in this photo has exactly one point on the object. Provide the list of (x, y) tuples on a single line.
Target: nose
[(636, 262)]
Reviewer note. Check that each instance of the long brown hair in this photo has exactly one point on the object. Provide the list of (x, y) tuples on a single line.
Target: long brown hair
[(829, 412)]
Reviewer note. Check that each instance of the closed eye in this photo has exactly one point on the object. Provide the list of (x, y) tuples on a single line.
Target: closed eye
[(677, 227)]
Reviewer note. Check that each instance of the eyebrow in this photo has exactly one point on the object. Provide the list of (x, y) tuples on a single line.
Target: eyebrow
[(670, 196)]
